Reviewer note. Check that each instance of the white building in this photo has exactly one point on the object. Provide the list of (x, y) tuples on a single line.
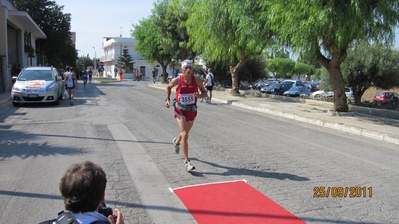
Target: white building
[(113, 49)]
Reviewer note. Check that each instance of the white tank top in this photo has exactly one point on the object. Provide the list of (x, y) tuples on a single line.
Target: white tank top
[(69, 79)]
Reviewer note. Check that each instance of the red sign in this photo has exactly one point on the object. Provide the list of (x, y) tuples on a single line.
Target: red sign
[(101, 63)]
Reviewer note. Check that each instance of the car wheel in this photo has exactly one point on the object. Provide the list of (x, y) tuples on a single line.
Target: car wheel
[(317, 97), (60, 96), (57, 102), (15, 104)]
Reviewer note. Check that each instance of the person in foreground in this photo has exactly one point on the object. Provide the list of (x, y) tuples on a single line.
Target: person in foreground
[(83, 190), (185, 106)]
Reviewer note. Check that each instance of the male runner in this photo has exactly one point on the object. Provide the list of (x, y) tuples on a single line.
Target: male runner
[(185, 108)]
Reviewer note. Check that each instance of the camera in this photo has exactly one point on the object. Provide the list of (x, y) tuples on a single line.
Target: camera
[(104, 210)]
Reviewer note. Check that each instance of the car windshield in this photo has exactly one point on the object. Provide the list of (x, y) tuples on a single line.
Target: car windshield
[(29, 75), (379, 93)]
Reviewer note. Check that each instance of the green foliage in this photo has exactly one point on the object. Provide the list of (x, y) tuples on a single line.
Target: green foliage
[(371, 66), (251, 71), (325, 83), (302, 69), (223, 31), (58, 49), (325, 29), (281, 67), (125, 59), (87, 61)]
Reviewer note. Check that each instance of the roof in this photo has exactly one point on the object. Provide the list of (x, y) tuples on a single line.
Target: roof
[(23, 20)]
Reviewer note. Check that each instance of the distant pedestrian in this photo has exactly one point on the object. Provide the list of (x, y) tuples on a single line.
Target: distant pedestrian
[(84, 77), (116, 71), (209, 83), (70, 82), (90, 75), (137, 76), (121, 75), (185, 106), (154, 75)]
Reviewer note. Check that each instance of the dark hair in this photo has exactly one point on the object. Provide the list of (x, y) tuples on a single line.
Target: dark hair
[(83, 186)]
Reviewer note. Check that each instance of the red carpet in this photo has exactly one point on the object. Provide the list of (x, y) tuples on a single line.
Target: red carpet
[(232, 202)]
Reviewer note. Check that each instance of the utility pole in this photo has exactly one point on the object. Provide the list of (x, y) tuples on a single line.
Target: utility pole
[(95, 60)]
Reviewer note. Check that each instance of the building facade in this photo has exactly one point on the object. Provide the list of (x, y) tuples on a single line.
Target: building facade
[(18, 35), (113, 48)]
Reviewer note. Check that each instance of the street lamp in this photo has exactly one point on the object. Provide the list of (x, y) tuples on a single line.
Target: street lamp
[(95, 61)]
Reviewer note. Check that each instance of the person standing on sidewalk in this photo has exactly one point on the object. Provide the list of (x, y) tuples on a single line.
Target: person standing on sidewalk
[(137, 75), (154, 75), (185, 107), (209, 83)]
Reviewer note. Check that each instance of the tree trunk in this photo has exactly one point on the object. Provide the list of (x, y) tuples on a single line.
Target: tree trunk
[(234, 75), (333, 67), (164, 74), (340, 101)]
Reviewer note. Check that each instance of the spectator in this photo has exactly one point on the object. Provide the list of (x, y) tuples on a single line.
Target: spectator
[(83, 190)]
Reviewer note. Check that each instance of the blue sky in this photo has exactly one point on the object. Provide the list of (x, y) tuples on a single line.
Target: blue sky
[(92, 20)]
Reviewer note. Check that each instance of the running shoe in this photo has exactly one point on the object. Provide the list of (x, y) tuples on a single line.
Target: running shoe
[(176, 147), (189, 166), (71, 102)]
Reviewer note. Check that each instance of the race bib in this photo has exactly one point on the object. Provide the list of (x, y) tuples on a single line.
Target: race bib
[(186, 99)]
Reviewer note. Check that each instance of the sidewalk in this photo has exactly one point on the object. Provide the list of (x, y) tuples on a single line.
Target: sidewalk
[(316, 113)]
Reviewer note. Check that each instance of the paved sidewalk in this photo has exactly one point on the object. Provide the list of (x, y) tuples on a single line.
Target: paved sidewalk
[(315, 113)]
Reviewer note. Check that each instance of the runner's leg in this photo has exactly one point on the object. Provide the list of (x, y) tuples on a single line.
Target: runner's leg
[(182, 138)]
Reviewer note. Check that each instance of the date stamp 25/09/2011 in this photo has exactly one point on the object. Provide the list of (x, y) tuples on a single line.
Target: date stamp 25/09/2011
[(342, 192)]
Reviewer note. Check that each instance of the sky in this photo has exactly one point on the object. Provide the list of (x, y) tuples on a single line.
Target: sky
[(92, 20)]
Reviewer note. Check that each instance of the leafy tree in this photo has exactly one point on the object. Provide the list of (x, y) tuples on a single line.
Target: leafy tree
[(125, 59), (325, 29), (251, 71), (151, 45), (224, 30), (302, 69), (371, 65), (85, 60), (58, 49), (281, 67), (163, 37)]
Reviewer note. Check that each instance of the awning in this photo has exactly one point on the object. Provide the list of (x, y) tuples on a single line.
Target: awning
[(23, 20)]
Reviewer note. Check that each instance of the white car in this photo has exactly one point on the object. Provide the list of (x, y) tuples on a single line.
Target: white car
[(37, 85), (320, 94)]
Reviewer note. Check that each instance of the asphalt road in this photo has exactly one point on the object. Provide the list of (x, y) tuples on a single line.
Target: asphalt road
[(125, 127)]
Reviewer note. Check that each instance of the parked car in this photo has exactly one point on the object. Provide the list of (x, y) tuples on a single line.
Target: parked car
[(320, 94), (37, 85), (382, 97), (297, 91), (268, 88), (349, 94), (313, 86), (285, 85)]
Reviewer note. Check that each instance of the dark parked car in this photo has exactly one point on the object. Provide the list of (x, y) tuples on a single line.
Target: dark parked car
[(297, 91), (268, 88), (285, 85), (313, 86), (382, 97)]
